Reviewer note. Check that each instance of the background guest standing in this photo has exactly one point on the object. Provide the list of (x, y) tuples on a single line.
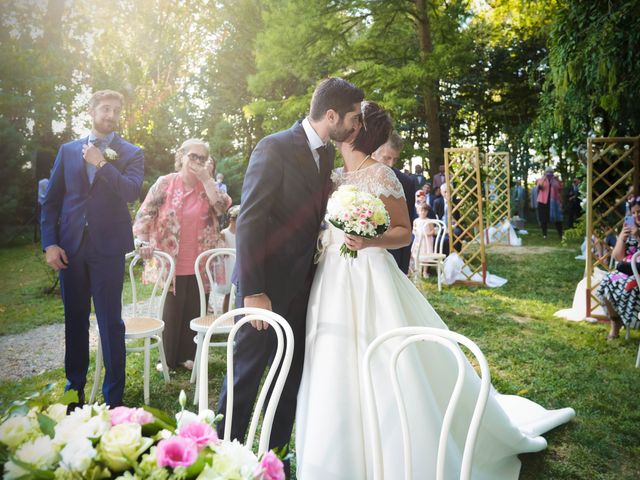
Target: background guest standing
[(86, 232), (180, 217), (549, 201), (389, 154)]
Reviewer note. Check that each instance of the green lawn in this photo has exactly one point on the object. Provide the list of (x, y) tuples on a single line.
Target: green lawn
[(531, 353)]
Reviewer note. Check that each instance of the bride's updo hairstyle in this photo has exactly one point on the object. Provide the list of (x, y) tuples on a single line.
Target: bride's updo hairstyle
[(376, 127)]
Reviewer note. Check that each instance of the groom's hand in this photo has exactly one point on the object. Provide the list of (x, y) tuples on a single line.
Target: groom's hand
[(261, 300)]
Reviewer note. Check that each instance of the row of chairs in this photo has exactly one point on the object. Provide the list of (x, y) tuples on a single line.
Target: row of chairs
[(143, 315), (143, 320)]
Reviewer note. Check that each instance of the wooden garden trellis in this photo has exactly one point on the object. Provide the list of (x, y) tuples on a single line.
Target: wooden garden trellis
[(498, 194), (612, 165), (464, 200)]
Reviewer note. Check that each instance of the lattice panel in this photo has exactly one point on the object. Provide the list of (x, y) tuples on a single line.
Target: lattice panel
[(464, 198), (498, 193), (612, 165)]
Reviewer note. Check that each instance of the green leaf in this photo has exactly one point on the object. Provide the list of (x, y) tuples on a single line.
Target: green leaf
[(70, 396), (47, 424), (162, 418)]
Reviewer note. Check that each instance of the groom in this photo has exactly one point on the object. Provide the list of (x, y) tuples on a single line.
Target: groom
[(284, 197)]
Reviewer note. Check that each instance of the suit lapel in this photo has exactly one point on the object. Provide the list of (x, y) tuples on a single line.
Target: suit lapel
[(83, 167)]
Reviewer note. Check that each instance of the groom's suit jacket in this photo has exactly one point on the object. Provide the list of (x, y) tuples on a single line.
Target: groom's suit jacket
[(284, 196), (71, 202)]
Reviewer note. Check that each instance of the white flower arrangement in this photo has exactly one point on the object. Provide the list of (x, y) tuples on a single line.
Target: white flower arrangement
[(39, 441), (357, 213), (110, 154)]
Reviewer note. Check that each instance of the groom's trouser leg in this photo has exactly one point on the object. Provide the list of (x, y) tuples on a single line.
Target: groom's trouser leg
[(254, 351), (250, 357), (286, 411), (75, 288)]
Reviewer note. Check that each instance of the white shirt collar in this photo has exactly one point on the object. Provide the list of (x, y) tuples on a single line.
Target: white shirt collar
[(313, 138)]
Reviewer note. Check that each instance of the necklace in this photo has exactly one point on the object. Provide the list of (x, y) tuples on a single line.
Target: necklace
[(362, 163)]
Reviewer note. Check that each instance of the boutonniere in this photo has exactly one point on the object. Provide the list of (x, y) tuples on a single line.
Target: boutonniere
[(110, 154)]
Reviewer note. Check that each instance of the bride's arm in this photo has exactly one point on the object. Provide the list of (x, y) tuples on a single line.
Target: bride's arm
[(397, 236)]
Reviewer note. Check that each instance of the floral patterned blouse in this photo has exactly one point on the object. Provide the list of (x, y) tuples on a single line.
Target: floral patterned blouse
[(160, 216)]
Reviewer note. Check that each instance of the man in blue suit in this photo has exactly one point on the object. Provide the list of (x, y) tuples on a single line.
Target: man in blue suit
[(86, 232)]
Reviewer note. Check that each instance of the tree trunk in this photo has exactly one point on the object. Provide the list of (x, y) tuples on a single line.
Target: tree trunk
[(430, 91), (45, 97)]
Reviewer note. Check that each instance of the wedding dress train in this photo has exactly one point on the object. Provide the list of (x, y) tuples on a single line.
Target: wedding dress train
[(352, 302)]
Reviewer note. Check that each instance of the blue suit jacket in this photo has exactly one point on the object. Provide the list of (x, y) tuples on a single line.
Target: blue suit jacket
[(71, 202)]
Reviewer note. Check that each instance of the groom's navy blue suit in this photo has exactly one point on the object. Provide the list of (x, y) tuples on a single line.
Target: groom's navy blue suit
[(91, 222), (284, 197)]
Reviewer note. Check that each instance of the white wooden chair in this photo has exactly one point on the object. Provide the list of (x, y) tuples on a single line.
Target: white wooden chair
[(450, 341), (201, 323), (634, 268), (435, 259), (280, 365), (143, 319)]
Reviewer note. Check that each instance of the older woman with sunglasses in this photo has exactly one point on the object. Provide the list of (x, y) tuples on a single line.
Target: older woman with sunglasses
[(180, 217)]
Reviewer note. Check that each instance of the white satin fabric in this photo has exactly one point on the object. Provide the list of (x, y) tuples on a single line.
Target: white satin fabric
[(351, 303)]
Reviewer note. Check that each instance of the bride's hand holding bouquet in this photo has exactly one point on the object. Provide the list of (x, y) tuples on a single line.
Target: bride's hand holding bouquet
[(359, 215)]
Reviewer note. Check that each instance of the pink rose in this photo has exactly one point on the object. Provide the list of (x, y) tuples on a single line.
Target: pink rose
[(270, 467), (201, 433), (176, 452), (130, 415)]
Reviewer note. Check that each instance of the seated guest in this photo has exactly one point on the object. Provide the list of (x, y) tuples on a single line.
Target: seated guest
[(428, 196), (180, 217), (618, 291)]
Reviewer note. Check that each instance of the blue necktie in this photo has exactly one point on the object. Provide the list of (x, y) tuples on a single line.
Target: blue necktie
[(91, 169)]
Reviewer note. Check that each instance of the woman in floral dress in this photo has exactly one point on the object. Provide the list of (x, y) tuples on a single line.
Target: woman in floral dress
[(180, 217), (619, 291)]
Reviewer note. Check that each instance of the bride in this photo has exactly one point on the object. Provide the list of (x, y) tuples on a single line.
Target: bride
[(352, 302)]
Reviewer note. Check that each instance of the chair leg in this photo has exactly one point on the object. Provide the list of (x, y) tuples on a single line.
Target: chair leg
[(163, 359), (196, 367), (627, 332), (147, 361), (440, 272), (194, 372), (96, 376), (638, 358)]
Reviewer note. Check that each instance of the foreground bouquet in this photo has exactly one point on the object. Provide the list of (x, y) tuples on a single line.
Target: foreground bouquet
[(357, 213), (93, 442)]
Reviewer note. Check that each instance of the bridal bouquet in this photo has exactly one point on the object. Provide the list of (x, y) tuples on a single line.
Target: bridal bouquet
[(43, 441), (357, 213)]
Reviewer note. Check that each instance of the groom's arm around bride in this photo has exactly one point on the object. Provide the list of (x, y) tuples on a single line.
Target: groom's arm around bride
[(284, 196)]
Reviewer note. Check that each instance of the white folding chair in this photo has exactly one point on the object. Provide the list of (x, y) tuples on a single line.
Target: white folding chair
[(281, 364), (634, 268), (201, 323), (435, 259), (143, 319), (446, 339)]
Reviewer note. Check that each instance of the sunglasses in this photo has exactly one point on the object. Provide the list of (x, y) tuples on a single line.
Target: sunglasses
[(201, 159)]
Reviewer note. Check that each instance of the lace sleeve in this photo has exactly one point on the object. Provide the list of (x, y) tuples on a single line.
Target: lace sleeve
[(386, 184)]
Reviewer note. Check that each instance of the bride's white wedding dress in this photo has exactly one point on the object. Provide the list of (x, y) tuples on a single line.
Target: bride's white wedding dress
[(351, 303)]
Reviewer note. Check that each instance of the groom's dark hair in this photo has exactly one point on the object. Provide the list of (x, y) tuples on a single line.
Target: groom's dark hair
[(334, 94)]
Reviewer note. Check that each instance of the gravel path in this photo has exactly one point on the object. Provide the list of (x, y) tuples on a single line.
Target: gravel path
[(36, 351)]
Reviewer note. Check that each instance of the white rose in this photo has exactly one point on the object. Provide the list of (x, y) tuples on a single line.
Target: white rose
[(95, 427), (78, 455), (40, 453), (16, 430), (57, 412), (232, 460), (67, 430), (122, 445), (185, 417)]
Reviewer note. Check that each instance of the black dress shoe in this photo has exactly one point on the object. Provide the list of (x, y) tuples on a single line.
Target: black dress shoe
[(80, 403)]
